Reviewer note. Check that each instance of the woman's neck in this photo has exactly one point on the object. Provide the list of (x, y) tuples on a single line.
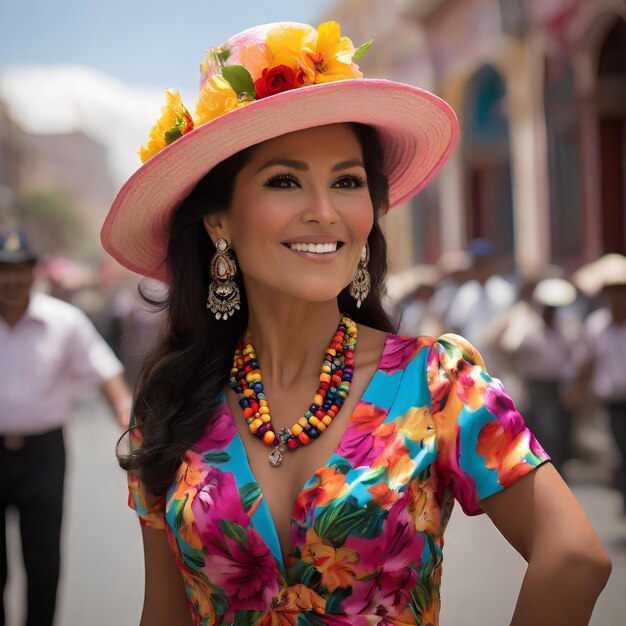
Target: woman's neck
[(290, 337)]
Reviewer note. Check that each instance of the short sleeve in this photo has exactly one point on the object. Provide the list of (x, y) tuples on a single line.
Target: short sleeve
[(90, 359), (150, 510), (483, 444)]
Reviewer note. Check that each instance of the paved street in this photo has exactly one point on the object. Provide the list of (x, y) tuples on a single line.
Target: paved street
[(103, 569)]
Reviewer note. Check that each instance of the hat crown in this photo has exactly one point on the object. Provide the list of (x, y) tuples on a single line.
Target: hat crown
[(254, 36)]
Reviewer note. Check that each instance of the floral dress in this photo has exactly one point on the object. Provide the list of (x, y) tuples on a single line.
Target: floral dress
[(431, 427)]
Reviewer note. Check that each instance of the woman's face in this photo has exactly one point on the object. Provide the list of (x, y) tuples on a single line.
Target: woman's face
[(307, 187)]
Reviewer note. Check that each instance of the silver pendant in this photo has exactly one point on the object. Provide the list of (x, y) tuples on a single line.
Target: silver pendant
[(276, 455)]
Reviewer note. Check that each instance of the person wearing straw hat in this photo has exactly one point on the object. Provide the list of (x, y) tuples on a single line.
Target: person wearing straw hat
[(292, 459), (602, 353), (47, 348)]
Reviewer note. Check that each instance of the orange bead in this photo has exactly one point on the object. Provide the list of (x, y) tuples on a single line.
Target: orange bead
[(321, 427), (304, 438), (324, 378), (268, 437), (248, 412), (317, 399)]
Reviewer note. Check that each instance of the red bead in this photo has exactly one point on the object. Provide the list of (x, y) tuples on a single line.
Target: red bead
[(304, 438), (292, 444), (319, 414)]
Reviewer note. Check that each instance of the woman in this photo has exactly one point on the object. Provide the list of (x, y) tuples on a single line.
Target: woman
[(254, 509)]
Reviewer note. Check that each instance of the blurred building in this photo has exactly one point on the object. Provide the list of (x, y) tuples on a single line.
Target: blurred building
[(540, 90), (10, 157), (66, 172)]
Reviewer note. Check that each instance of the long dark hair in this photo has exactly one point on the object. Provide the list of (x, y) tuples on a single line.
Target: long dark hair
[(186, 371)]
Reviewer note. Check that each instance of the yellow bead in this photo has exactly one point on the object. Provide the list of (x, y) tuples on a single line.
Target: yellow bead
[(253, 377), (264, 409), (296, 429), (321, 427), (325, 370), (269, 437), (248, 392), (303, 421), (317, 399), (265, 417), (327, 420), (314, 421), (257, 423)]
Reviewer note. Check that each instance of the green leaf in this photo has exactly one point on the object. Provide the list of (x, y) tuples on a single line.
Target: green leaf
[(244, 617), (239, 78), (249, 494), (361, 50), (306, 574), (172, 134), (216, 457), (234, 531), (334, 600), (310, 619)]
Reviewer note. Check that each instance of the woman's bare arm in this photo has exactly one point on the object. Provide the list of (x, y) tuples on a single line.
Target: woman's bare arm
[(567, 565), (165, 601)]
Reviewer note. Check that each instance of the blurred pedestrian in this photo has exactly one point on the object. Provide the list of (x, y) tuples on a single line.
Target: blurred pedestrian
[(605, 347), (543, 360), (47, 349)]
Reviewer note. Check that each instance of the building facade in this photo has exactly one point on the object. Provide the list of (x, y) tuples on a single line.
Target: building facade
[(540, 90)]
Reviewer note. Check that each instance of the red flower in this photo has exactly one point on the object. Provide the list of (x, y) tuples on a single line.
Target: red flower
[(275, 80)]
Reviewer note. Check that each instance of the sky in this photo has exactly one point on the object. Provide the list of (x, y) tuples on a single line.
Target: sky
[(145, 42), (101, 67)]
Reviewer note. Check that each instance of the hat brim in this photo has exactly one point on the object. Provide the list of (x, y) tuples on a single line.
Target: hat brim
[(19, 256), (417, 130)]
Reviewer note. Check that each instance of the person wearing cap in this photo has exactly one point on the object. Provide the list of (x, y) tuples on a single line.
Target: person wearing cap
[(291, 458), (47, 348)]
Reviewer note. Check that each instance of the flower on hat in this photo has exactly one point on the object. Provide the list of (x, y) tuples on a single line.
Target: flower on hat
[(175, 121), (331, 58), (292, 56), (216, 98)]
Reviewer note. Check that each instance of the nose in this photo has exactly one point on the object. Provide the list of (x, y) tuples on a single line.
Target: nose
[(320, 207)]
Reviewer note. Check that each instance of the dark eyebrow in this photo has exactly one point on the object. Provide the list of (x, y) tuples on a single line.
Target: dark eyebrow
[(303, 167)]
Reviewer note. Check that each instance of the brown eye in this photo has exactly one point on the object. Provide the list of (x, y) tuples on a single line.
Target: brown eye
[(283, 181), (350, 182)]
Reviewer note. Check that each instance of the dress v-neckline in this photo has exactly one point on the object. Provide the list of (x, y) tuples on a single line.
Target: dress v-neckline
[(280, 557)]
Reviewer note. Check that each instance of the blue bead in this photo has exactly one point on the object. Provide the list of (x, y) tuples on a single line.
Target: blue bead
[(258, 387), (243, 403), (314, 407), (313, 433)]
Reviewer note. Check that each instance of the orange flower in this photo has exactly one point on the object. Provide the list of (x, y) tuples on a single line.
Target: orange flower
[(383, 495), (333, 563), (423, 507), (289, 604), (330, 485), (504, 451), (331, 58), (175, 121)]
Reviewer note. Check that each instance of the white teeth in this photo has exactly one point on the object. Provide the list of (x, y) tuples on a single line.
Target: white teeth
[(319, 248)]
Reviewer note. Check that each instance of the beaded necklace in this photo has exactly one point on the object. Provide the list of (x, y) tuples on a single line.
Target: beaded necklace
[(334, 387)]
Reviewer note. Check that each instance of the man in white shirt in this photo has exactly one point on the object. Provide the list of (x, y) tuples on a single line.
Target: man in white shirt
[(47, 348)]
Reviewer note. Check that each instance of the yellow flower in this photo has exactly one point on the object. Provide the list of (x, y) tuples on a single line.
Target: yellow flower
[(216, 98), (290, 45), (418, 425), (175, 121), (331, 58)]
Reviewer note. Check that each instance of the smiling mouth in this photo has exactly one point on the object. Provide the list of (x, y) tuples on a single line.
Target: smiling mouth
[(315, 248)]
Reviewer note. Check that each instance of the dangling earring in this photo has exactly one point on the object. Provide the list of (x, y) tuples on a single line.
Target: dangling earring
[(361, 283), (223, 298)]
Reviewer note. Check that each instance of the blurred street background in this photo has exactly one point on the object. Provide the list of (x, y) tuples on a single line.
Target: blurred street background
[(518, 244)]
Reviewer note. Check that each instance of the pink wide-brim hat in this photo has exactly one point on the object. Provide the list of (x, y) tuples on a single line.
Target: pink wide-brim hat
[(417, 131)]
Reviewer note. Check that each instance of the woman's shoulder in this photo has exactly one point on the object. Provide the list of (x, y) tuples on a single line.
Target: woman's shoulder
[(450, 352)]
